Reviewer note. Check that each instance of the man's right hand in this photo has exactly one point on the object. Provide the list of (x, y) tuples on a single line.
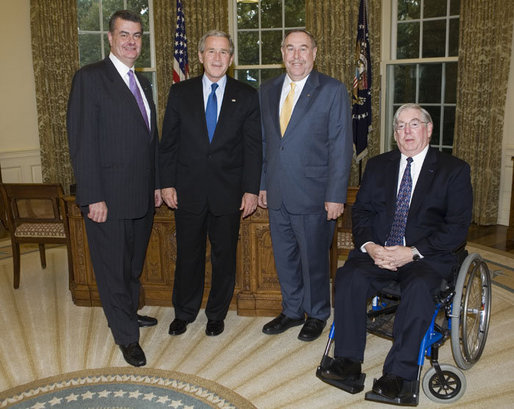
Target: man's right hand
[(263, 201), (169, 195), (98, 212)]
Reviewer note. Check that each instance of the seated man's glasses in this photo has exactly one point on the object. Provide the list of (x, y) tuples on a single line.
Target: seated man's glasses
[(413, 124)]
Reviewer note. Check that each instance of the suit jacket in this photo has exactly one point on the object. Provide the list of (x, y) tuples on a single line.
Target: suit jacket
[(113, 154), (439, 213), (214, 174), (310, 164)]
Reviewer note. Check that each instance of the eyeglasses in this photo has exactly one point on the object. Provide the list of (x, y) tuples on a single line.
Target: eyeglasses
[(413, 124)]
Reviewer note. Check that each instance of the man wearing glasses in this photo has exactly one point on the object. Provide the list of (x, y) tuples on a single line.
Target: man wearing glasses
[(412, 210)]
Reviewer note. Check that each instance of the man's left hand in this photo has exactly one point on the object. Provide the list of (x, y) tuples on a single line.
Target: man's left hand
[(401, 255), (334, 210), (158, 197), (248, 204)]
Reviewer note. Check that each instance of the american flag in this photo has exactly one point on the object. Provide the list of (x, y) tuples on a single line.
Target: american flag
[(180, 63), (361, 98)]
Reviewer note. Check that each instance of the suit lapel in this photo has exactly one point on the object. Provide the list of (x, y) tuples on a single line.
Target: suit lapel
[(274, 101), (304, 102), (426, 176), (122, 89), (391, 188)]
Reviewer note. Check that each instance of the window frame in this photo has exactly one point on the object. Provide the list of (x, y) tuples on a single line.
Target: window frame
[(234, 33), (149, 30), (389, 31)]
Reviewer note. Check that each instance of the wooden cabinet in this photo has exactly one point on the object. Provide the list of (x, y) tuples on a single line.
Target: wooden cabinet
[(257, 291), (158, 272)]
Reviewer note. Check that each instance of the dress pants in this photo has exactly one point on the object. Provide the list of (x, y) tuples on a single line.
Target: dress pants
[(192, 230), (360, 279), (118, 251), (301, 244)]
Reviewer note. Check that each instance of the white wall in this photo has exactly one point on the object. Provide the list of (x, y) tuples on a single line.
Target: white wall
[(19, 138), (507, 148)]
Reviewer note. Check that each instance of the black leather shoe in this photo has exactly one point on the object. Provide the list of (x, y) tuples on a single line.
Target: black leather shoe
[(178, 327), (281, 324), (388, 386), (214, 327), (145, 321), (343, 373), (312, 329), (133, 354)]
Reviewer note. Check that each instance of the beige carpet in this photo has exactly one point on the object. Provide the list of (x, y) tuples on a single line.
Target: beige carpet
[(43, 334)]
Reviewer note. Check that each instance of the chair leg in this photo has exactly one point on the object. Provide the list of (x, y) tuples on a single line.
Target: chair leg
[(42, 255), (16, 264)]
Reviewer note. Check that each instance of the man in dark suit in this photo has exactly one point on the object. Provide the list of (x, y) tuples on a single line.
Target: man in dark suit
[(307, 138), (418, 252), (210, 164), (113, 146)]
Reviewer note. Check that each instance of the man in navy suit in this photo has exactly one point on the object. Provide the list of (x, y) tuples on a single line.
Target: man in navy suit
[(210, 164), (437, 223), (307, 143), (113, 147)]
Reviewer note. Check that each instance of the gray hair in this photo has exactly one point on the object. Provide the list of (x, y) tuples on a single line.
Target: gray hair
[(299, 30), (215, 33), (424, 113)]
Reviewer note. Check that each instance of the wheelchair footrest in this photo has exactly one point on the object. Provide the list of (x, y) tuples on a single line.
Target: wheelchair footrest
[(350, 386), (409, 395)]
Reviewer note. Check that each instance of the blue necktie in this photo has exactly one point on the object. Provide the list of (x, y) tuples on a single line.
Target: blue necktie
[(211, 112), (402, 209)]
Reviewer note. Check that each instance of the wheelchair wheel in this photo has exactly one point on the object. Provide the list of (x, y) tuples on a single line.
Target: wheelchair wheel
[(471, 310), (446, 390)]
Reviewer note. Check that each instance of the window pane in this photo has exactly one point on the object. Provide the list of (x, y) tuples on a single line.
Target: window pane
[(140, 7), (88, 12), (408, 40), (430, 83), (453, 48), (408, 9), (449, 125), (450, 95), (434, 8), (434, 38), (107, 47), (435, 113), (271, 13), (144, 59), (247, 15), (295, 13), (404, 83), (89, 48), (109, 7), (250, 77), (248, 48), (454, 7), (267, 74), (271, 47)]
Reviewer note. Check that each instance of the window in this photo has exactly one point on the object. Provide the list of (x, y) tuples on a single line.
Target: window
[(93, 16), (423, 64), (260, 26)]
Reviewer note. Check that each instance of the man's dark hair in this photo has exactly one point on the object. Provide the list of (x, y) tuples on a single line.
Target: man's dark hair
[(124, 15)]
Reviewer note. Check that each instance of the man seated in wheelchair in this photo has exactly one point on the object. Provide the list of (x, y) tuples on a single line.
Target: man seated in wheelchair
[(412, 210)]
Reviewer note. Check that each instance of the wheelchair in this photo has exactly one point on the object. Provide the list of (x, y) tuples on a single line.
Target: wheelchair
[(462, 314)]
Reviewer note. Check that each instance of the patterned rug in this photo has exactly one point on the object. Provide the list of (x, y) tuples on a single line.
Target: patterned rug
[(123, 388)]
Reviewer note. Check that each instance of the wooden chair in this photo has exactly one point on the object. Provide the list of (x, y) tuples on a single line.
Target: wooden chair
[(342, 243), (35, 214)]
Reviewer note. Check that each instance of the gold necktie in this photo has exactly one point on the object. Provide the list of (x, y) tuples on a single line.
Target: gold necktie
[(287, 109)]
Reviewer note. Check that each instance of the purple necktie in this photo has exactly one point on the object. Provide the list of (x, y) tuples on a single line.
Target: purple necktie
[(402, 209), (139, 98)]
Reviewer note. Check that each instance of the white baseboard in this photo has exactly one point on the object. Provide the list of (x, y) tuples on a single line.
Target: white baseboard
[(21, 166)]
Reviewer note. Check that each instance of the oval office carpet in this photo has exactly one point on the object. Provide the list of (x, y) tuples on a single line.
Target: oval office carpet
[(123, 388), (45, 338)]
